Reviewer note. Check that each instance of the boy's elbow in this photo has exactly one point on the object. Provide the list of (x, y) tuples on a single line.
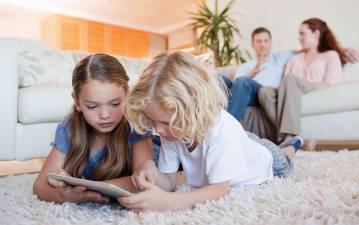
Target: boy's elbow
[(225, 190), (222, 190)]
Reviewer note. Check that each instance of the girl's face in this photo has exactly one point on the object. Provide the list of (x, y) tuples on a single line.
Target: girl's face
[(160, 120), (307, 38), (101, 104)]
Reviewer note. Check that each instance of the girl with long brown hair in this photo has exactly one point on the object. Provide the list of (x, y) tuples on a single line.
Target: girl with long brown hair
[(95, 140)]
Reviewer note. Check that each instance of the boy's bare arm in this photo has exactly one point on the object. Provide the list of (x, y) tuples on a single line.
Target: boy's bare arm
[(154, 198)]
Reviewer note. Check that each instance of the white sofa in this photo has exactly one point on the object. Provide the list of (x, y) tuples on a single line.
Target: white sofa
[(35, 93)]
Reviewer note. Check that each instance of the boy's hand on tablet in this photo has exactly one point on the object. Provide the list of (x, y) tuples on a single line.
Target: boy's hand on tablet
[(146, 173), (153, 198)]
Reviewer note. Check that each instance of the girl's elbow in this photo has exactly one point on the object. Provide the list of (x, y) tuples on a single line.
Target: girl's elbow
[(35, 188)]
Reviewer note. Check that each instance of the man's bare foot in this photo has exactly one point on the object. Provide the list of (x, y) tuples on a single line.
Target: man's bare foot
[(295, 142), (289, 151), (287, 137)]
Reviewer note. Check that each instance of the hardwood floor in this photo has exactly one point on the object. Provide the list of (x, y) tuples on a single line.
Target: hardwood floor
[(336, 145), (19, 167)]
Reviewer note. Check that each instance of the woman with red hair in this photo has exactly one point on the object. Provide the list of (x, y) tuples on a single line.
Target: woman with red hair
[(317, 65)]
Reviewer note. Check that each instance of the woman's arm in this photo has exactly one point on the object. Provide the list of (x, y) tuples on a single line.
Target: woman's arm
[(351, 55), (58, 191), (154, 198), (288, 67)]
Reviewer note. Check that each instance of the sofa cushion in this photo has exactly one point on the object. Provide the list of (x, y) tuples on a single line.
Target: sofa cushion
[(33, 141), (44, 67), (44, 103), (40, 64), (78, 55), (331, 126), (133, 67), (338, 98)]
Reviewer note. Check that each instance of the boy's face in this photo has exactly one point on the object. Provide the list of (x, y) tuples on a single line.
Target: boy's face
[(101, 104), (160, 120)]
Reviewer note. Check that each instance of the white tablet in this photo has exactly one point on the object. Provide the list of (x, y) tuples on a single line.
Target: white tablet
[(104, 188)]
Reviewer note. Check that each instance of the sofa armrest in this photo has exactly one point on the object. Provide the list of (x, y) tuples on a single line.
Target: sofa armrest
[(337, 98), (8, 101)]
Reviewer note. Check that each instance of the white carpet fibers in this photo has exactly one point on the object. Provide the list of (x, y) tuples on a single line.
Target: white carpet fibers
[(323, 189)]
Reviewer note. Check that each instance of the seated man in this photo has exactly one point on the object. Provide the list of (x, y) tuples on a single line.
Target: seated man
[(265, 70)]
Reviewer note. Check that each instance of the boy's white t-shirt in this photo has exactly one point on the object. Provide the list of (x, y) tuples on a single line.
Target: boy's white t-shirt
[(226, 154)]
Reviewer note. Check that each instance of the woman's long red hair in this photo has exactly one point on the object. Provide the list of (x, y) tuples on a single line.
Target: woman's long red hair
[(327, 39)]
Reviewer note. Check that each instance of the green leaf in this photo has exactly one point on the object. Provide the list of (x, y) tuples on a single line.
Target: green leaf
[(217, 33)]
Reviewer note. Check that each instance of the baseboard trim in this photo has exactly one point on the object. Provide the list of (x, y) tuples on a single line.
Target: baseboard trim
[(19, 167), (336, 145)]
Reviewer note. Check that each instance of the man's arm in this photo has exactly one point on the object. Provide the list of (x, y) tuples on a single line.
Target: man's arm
[(351, 55), (244, 69)]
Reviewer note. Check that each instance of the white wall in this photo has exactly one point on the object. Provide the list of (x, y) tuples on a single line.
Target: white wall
[(180, 37), (20, 22), (283, 18), (26, 23), (157, 45)]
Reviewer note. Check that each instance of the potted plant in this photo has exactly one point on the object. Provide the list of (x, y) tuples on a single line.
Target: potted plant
[(216, 32)]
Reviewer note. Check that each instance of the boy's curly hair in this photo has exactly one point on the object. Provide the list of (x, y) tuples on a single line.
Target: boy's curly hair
[(179, 84)]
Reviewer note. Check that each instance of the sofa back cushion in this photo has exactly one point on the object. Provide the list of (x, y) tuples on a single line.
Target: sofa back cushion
[(40, 64), (133, 66)]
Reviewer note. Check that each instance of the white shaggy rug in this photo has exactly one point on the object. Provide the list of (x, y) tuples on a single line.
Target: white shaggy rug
[(323, 189)]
